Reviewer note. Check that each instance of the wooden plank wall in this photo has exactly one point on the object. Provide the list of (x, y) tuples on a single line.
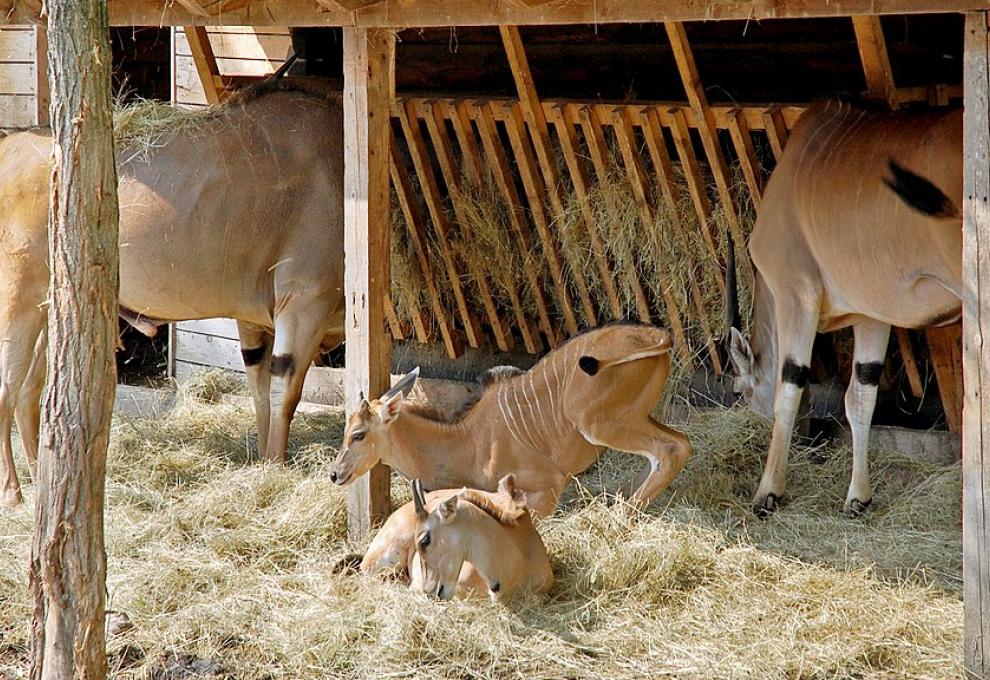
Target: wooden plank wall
[(239, 51), (23, 97)]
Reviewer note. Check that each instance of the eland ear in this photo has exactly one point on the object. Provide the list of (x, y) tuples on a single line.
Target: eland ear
[(448, 508), (419, 500), (404, 384), (741, 353), (389, 406), (507, 487)]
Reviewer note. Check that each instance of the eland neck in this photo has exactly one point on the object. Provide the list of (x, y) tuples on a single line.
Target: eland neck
[(444, 455)]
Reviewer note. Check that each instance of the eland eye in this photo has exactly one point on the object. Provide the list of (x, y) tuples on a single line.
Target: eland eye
[(358, 436), (424, 540)]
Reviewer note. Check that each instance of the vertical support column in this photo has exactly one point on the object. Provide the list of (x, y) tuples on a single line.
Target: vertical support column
[(976, 355), (369, 58)]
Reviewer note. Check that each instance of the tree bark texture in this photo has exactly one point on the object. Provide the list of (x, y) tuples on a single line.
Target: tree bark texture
[(68, 559)]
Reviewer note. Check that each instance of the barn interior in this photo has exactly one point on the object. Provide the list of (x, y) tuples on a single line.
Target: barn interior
[(768, 70)]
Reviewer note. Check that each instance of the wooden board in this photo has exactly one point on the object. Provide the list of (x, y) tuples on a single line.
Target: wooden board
[(427, 13), (17, 44), (976, 336), (369, 60)]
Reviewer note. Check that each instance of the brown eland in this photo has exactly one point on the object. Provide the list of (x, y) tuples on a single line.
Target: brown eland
[(545, 425), (859, 227), (239, 215)]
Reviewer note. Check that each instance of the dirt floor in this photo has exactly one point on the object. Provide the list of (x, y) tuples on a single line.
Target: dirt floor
[(223, 567)]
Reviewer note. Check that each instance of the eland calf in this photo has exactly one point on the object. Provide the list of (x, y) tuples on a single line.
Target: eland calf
[(545, 425), (859, 226)]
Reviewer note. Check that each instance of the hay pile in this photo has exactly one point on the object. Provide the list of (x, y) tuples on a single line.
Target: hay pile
[(228, 569), (146, 124)]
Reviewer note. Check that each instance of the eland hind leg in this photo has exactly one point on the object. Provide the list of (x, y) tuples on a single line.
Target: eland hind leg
[(666, 451), (797, 321), (27, 413), (298, 331), (869, 350), (256, 350), (17, 345)]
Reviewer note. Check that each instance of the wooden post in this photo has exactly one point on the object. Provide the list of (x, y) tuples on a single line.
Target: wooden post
[(976, 354), (68, 559), (369, 57)]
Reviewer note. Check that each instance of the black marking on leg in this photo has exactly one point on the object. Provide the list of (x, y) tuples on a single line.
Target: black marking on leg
[(283, 364), (794, 373), (858, 507), (495, 587), (919, 193), (869, 373), (254, 356), (589, 365), (769, 506), (348, 564)]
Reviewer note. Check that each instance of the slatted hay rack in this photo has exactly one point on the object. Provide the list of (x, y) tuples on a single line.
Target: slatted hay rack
[(520, 140)]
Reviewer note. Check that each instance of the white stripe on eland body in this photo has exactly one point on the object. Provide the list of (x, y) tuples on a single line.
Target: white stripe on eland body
[(506, 414), (525, 422)]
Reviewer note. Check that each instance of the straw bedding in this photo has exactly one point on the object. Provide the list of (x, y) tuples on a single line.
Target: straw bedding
[(226, 568)]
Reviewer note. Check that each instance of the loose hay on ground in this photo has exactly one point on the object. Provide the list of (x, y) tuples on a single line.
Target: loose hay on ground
[(232, 565)]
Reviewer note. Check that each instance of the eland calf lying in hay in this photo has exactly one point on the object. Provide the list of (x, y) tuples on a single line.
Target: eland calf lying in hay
[(468, 542), (545, 425), (231, 213), (856, 229)]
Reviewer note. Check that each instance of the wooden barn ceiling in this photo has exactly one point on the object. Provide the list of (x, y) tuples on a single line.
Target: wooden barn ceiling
[(425, 13)]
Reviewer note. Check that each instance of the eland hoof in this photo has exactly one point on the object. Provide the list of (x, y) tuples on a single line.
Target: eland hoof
[(767, 506), (855, 507), (11, 498)]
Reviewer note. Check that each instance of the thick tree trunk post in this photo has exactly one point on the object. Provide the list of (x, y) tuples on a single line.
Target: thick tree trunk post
[(68, 561), (369, 57), (976, 353)]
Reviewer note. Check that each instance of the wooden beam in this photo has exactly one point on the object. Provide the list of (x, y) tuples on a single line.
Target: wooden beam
[(369, 55), (976, 337), (564, 122), (910, 361), (742, 140), (594, 135), (405, 14), (42, 92), (673, 196), (636, 174), (434, 204), (505, 182), (706, 123), (535, 116), (876, 61), (417, 233), (206, 62), (755, 113), (696, 185), (945, 347), (451, 176), (776, 128), (515, 126)]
